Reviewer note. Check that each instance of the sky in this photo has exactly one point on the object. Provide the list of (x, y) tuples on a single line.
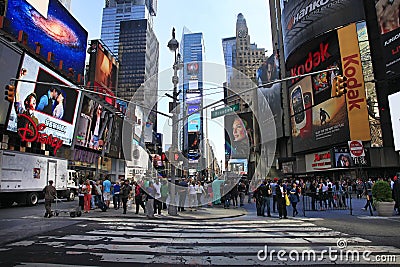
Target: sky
[(215, 19)]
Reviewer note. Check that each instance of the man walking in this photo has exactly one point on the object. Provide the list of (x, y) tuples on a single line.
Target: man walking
[(107, 191), (125, 192), (50, 194)]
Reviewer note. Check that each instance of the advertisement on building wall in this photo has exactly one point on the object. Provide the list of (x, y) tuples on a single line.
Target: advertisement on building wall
[(315, 125), (94, 125), (355, 97), (55, 106), (51, 25), (394, 106), (318, 161), (343, 159), (116, 138), (240, 134), (387, 13), (303, 20), (267, 73)]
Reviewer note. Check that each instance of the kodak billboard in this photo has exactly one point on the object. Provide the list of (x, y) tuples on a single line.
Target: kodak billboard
[(355, 97)]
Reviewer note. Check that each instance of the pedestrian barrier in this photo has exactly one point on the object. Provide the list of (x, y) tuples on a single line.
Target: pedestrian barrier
[(326, 201)]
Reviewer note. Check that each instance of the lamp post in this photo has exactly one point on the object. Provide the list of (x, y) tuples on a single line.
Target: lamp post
[(173, 45)]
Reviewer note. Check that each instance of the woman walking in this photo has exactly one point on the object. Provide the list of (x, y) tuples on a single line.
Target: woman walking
[(87, 191)]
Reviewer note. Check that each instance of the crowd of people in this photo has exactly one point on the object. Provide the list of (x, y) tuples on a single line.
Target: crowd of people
[(270, 195)]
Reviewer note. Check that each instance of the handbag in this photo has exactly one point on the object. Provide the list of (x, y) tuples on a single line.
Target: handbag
[(287, 200)]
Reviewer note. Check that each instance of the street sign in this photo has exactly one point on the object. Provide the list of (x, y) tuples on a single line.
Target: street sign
[(223, 111), (356, 149)]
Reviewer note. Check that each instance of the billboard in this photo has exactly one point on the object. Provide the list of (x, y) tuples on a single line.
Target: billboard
[(319, 161), (394, 107), (53, 27), (9, 64), (239, 129), (193, 98), (316, 124), (116, 138), (194, 122), (343, 159), (303, 20), (55, 106), (352, 68), (94, 125), (266, 73), (103, 67), (387, 13)]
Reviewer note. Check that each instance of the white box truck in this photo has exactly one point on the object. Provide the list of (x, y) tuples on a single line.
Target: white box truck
[(23, 177)]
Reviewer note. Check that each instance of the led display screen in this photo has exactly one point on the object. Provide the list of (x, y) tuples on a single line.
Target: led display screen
[(55, 106), (55, 29)]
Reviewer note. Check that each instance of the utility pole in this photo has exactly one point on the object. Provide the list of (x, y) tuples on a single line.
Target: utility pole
[(173, 45)]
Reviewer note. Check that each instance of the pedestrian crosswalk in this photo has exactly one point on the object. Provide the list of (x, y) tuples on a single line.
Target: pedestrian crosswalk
[(108, 241)]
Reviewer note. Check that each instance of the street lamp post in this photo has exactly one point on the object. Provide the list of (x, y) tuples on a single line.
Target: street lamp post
[(173, 45)]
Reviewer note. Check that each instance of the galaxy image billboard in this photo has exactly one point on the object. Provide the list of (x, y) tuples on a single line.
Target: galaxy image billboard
[(52, 26)]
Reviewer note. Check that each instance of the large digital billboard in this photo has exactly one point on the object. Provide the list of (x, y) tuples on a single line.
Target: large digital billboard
[(239, 128), (316, 124), (103, 68), (116, 138), (94, 125), (267, 73), (55, 106), (303, 20), (53, 27), (387, 13), (9, 64)]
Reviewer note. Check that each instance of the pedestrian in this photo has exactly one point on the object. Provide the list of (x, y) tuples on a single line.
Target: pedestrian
[(81, 196), (150, 193), (274, 199), (164, 193), (234, 195), (199, 191), (242, 192), (50, 193), (259, 194), (182, 193), (267, 197), (139, 197), (368, 193), (396, 194), (157, 197), (125, 193), (116, 198), (281, 192), (107, 191), (87, 191), (192, 195), (294, 198)]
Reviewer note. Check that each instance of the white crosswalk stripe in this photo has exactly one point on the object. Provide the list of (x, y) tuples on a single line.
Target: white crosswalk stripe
[(217, 243)]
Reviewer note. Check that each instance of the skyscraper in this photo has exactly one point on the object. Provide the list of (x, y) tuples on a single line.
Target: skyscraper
[(192, 52), (116, 11)]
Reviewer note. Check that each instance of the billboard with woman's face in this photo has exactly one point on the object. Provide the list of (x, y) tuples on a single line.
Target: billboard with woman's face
[(55, 106), (239, 129)]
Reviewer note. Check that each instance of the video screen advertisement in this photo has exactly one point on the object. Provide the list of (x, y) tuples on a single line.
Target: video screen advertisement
[(387, 13), (317, 119), (55, 106), (94, 125), (103, 69), (303, 20), (9, 65), (52, 25), (266, 73), (116, 138), (239, 128)]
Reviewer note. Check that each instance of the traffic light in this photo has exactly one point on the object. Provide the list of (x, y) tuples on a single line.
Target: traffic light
[(9, 93), (339, 86)]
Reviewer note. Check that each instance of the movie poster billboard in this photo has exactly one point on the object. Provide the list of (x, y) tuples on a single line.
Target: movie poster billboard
[(316, 124), (51, 25), (387, 13), (303, 20), (94, 125), (343, 159), (239, 128), (9, 64), (267, 73), (55, 106)]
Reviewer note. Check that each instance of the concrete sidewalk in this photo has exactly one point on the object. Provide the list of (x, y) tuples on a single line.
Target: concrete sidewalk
[(201, 213)]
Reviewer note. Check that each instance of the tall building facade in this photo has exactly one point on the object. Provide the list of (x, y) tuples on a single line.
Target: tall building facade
[(116, 11), (242, 60), (192, 52), (66, 3)]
